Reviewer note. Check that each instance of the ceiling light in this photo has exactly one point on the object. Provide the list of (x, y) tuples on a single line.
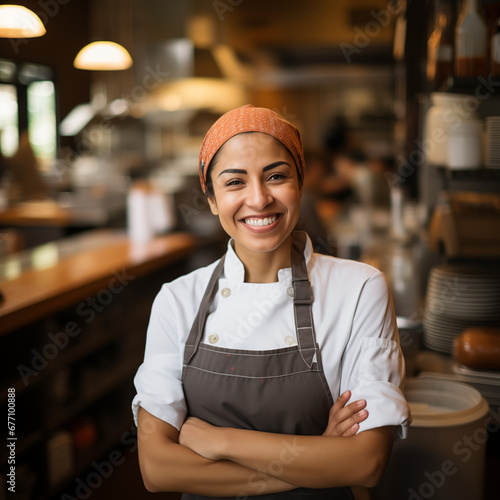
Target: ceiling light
[(213, 94), (102, 56), (17, 21)]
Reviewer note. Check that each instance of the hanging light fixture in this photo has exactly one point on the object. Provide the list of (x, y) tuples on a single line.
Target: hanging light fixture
[(17, 21), (103, 56)]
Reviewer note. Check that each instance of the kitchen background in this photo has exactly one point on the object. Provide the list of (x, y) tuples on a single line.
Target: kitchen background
[(398, 106)]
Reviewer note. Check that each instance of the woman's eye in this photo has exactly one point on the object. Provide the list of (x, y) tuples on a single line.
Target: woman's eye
[(234, 182), (276, 177)]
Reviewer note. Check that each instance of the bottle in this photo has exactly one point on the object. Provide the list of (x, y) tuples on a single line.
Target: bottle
[(470, 45), (440, 45), (495, 51), (139, 225)]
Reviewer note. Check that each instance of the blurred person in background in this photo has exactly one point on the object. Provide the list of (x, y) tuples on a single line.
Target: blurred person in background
[(311, 219)]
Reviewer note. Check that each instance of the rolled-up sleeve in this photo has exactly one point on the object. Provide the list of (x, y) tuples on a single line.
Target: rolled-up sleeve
[(373, 367), (158, 380)]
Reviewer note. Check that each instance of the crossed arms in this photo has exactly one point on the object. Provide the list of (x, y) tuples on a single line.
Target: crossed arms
[(218, 461)]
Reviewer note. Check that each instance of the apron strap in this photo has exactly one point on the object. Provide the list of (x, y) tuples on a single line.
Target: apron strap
[(198, 326), (302, 300)]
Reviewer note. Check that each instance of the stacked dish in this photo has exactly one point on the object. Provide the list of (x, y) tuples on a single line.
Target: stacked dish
[(486, 382), (493, 141), (457, 298)]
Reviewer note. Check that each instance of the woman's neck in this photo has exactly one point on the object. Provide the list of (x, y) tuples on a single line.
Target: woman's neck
[(263, 267)]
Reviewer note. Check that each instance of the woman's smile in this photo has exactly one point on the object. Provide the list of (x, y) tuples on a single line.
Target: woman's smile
[(263, 221)]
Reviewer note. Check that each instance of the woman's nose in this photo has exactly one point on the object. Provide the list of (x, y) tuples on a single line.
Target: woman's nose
[(259, 196)]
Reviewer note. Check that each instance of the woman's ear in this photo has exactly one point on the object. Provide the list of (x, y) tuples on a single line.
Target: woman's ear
[(213, 205)]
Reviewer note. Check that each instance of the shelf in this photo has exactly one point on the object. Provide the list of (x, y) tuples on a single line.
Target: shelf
[(84, 460), (481, 180), (110, 381), (23, 444), (469, 174), (74, 353), (487, 85)]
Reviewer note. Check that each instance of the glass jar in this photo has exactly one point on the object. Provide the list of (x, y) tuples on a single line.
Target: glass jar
[(447, 113)]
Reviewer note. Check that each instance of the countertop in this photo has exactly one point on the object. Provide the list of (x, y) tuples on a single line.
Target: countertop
[(45, 279), (35, 213)]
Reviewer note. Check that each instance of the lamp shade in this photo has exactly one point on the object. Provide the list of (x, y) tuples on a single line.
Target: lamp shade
[(17, 21), (102, 56)]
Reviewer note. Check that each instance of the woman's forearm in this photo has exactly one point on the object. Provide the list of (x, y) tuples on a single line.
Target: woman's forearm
[(176, 468), (311, 461), (168, 466)]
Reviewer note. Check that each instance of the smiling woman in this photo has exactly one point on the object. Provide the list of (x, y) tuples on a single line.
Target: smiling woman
[(236, 395), (257, 200)]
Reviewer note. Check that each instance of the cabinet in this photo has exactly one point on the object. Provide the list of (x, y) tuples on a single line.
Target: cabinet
[(70, 350)]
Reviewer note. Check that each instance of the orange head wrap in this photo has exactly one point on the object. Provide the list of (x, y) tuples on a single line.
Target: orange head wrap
[(250, 119)]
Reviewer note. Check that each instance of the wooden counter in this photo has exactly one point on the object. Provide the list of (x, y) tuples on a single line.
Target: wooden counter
[(35, 213), (87, 269), (73, 327)]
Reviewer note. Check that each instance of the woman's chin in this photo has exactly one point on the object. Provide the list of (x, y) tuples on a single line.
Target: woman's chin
[(262, 242)]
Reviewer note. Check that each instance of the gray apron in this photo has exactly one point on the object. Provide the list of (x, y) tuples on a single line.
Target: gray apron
[(281, 390)]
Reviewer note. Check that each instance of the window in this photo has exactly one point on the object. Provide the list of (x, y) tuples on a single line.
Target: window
[(9, 128), (27, 102), (42, 121)]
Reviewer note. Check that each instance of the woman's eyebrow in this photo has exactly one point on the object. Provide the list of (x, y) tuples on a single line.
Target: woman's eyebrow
[(275, 164), (265, 169), (232, 171)]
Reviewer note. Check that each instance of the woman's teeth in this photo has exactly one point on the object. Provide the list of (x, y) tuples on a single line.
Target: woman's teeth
[(261, 222)]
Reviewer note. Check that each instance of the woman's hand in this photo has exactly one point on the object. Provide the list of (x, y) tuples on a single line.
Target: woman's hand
[(201, 437), (208, 440), (344, 420)]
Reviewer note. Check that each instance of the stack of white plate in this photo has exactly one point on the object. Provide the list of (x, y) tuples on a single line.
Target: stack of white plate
[(486, 382), (493, 141), (457, 298)]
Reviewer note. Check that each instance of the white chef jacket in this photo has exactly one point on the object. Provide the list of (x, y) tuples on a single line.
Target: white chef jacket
[(353, 318)]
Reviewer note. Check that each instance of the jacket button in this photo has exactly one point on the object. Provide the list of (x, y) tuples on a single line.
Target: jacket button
[(290, 291), (290, 340), (225, 292), (213, 338)]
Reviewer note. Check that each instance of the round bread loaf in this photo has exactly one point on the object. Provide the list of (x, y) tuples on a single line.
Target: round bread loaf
[(478, 348)]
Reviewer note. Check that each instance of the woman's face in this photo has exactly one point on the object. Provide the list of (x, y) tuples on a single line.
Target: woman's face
[(256, 192)]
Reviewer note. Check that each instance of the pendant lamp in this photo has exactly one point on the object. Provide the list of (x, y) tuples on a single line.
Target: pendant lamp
[(17, 21), (103, 56)]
